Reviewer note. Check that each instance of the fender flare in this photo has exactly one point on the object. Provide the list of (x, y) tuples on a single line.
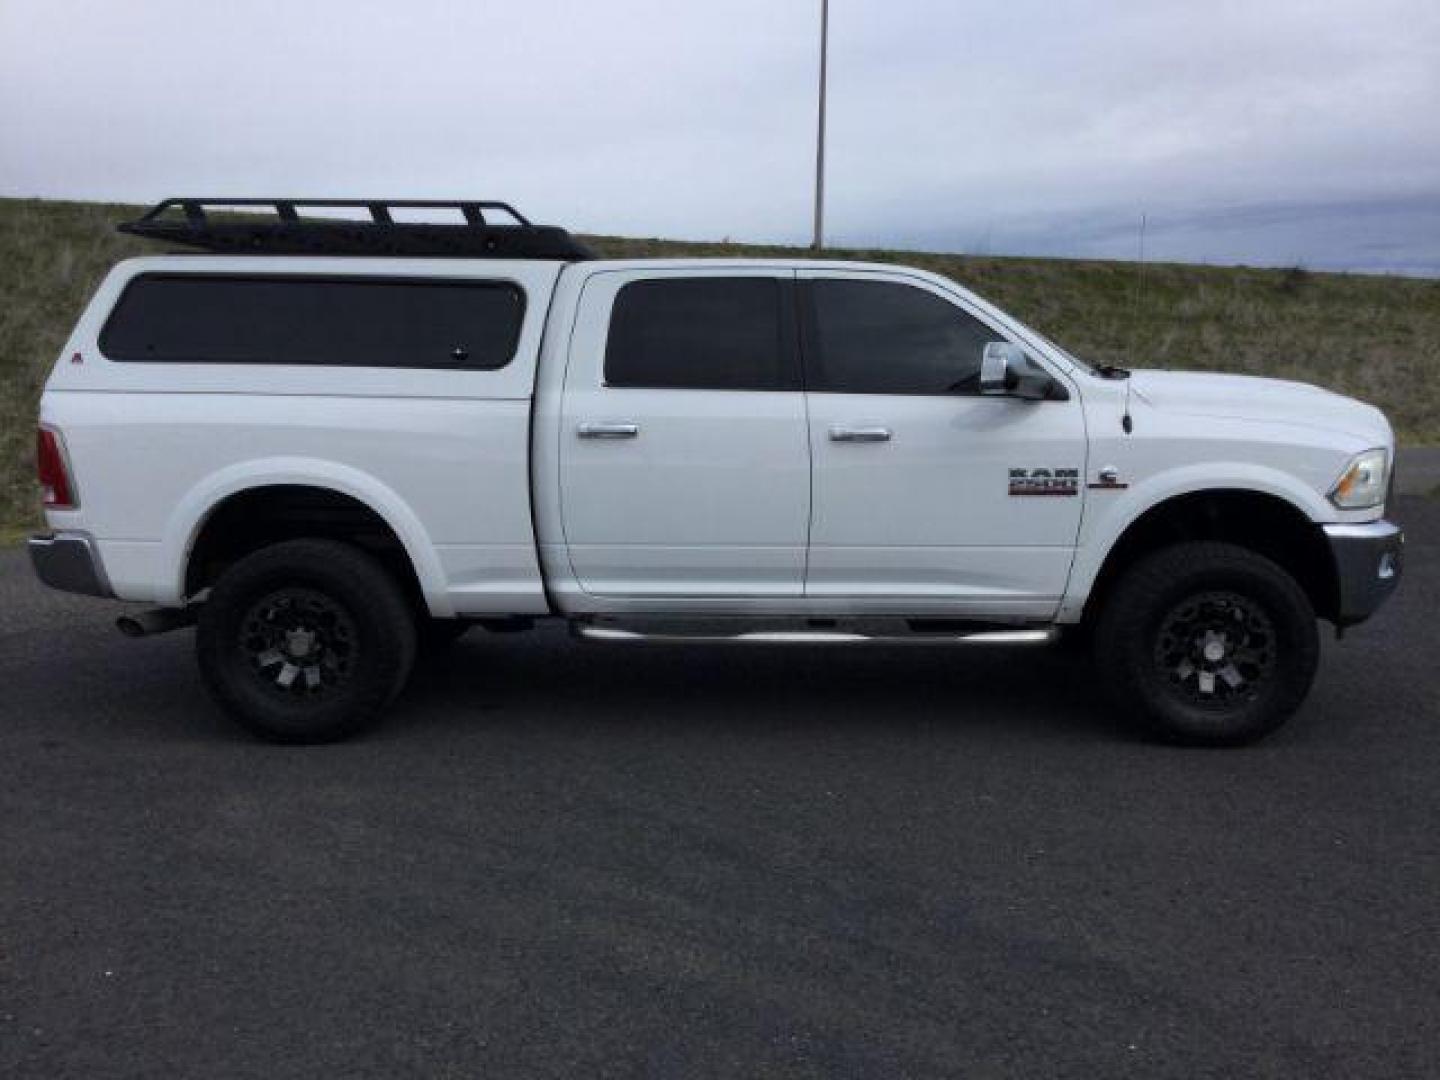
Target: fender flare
[(186, 521), (1101, 532)]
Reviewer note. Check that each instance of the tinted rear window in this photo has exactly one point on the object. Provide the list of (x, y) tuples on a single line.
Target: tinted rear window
[(350, 322), (708, 333)]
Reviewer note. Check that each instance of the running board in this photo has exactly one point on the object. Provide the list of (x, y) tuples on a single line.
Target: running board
[(987, 636)]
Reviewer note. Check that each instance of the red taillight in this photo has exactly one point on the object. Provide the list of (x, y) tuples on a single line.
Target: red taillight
[(59, 493)]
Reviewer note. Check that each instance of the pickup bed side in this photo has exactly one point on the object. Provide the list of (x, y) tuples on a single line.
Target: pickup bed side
[(439, 456)]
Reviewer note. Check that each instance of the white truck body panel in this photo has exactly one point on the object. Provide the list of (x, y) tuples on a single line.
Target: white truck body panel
[(919, 519), (675, 512), (727, 502), (441, 456)]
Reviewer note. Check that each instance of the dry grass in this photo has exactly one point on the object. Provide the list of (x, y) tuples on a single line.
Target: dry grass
[(1377, 338), (52, 255)]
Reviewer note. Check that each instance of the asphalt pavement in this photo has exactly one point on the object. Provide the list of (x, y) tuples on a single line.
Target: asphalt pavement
[(565, 859)]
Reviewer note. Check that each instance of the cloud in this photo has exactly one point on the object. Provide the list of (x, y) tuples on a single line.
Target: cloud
[(1242, 129)]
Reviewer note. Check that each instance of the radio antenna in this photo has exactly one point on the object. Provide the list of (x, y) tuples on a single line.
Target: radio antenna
[(1139, 289), (1125, 421)]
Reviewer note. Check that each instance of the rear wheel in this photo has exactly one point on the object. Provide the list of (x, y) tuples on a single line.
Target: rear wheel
[(1208, 643), (305, 641)]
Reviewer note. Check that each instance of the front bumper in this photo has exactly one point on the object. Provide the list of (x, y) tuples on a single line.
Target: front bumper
[(71, 562), (1368, 562)]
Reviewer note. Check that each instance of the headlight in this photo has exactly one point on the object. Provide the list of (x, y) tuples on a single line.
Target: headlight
[(1362, 484)]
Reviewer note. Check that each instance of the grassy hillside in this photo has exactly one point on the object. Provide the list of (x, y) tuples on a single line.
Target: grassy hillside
[(1376, 338)]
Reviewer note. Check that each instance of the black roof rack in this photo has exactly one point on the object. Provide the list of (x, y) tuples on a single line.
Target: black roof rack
[(227, 228)]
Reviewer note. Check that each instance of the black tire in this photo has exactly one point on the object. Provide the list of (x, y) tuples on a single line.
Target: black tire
[(305, 641), (434, 637), (1077, 640), (1208, 644)]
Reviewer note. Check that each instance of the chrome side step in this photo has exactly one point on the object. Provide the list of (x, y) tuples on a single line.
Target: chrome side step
[(988, 636)]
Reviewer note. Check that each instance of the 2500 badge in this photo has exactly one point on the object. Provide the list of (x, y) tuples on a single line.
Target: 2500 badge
[(1060, 482)]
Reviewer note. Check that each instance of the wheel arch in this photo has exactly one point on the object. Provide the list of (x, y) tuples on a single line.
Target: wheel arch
[(214, 501), (1259, 519)]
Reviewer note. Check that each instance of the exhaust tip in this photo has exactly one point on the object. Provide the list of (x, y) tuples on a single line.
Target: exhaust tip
[(156, 621), (130, 626)]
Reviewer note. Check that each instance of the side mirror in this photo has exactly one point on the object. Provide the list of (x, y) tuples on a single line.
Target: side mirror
[(1006, 370)]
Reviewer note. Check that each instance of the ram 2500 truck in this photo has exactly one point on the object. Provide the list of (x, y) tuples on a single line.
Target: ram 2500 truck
[(332, 444)]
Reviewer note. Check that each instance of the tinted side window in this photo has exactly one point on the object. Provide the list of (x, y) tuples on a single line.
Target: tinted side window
[(352, 322), (879, 337), (701, 334)]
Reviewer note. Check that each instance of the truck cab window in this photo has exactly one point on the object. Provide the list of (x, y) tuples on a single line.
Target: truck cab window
[(881, 337), (703, 333)]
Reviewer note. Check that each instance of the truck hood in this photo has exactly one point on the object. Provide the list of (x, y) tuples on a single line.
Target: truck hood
[(1248, 397)]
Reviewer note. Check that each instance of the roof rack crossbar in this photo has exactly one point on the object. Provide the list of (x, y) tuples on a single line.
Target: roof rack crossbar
[(292, 231)]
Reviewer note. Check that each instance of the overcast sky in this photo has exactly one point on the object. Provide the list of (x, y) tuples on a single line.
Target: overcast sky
[(1259, 131)]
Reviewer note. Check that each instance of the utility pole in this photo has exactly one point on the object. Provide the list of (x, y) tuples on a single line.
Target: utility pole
[(819, 240)]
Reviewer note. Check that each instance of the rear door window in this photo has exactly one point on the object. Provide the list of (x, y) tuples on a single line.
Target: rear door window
[(340, 321), (704, 333)]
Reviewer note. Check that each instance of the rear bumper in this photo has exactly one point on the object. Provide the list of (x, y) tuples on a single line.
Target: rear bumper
[(69, 561), (1369, 559)]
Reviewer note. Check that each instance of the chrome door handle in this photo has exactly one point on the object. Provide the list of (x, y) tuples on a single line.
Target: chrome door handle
[(592, 430), (860, 434)]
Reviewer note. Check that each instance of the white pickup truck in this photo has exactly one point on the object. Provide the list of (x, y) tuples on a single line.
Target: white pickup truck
[(333, 443)]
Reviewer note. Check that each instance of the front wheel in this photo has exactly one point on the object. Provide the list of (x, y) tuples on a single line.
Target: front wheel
[(1208, 643), (305, 641)]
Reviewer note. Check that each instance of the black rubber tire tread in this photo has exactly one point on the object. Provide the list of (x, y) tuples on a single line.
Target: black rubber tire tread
[(1125, 636), (384, 624), (1077, 639)]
